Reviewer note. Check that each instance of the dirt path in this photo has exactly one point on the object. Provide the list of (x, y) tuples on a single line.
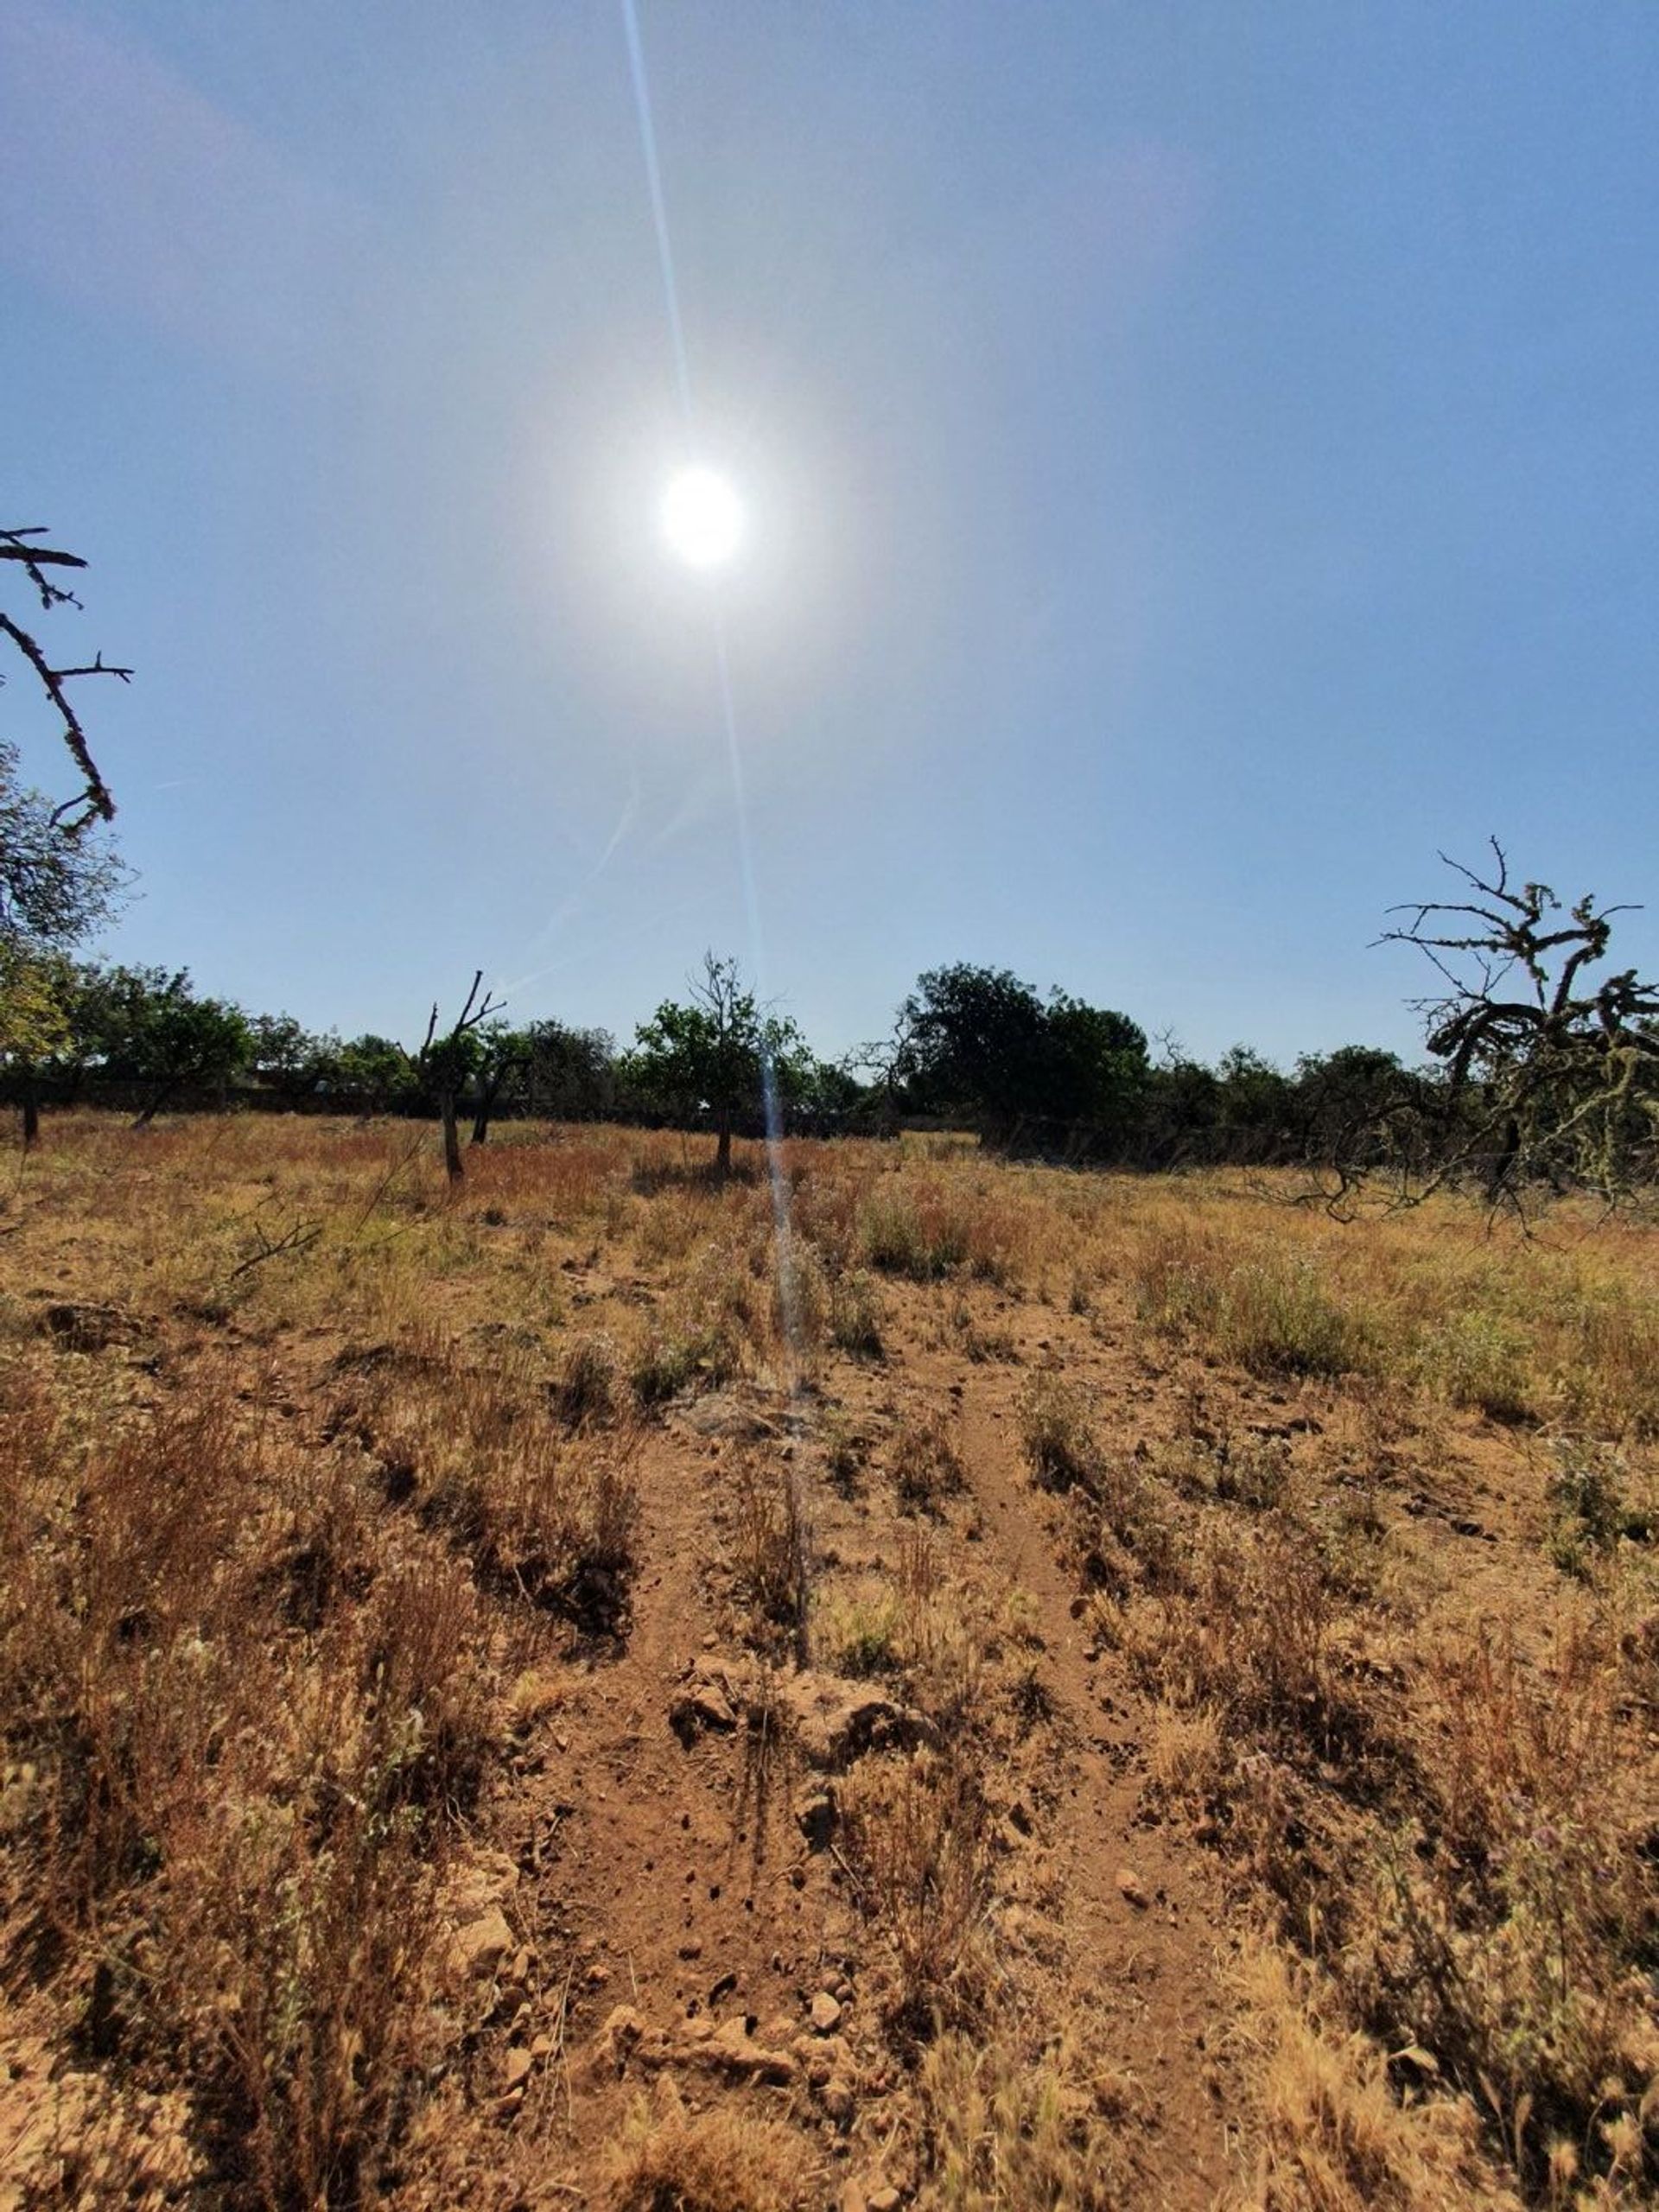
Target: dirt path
[(1150, 1966), (670, 1878)]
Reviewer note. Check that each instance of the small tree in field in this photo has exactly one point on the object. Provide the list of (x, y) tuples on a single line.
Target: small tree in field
[(447, 1063), (717, 1052)]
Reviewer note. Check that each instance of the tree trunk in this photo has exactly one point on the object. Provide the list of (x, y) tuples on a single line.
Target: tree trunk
[(486, 1095), (157, 1100), (31, 1116), (723, 1149), (451, 1137)]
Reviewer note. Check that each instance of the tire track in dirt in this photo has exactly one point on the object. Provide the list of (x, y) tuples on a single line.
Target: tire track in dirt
[(1151, 1967)]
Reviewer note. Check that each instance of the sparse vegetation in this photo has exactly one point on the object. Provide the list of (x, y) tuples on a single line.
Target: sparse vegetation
[(314, 1567)]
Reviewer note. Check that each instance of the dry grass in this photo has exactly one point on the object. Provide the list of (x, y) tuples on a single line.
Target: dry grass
[(1362, 1520), (1005, 2130), (917, 1832), (673, 2160)]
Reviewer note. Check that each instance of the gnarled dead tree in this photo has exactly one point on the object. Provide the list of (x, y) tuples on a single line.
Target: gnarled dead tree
[(40, 564), (1552, 1078)]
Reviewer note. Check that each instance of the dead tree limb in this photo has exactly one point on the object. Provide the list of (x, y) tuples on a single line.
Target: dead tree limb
[(94, 801)]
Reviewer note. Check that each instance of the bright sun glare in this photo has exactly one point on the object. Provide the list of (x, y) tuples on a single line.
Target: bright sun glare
[(702, 518)]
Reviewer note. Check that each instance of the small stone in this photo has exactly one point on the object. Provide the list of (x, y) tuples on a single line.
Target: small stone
[(838, 2100), (1130, 1889), (826, 2013), (883, 2200), (520, 2065), (478, 1947), (541, 2047), (702, 1704), (622, 2030), (852, 2198)]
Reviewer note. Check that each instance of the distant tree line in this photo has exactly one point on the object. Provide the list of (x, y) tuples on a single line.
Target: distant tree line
[(1543, 1070), (973, 1048)]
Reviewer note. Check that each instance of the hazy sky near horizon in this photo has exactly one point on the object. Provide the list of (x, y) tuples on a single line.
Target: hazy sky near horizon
[(1200, 461)]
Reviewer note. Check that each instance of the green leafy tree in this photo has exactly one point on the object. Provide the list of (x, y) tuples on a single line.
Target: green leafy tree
[(148, 1028), (1096, 1066), (57, 885), (285, 1052), (571, 1075), (718, 1053), (372, 1074), (498, 1074), (973, 1041), (979, 1042)]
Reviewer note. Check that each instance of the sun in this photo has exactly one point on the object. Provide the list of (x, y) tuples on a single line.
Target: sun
[(701, 518)]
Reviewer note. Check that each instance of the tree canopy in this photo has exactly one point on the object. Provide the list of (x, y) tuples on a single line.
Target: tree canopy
[(718, 1053)]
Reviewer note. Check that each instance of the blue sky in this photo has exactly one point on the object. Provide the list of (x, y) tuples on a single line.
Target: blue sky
[(1200, 461)]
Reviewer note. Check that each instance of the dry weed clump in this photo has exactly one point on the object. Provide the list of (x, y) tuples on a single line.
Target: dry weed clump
[(1000, 2129), (1057, 1432), (926, 1226), (917, 1834), (925, 1462), (769, 1545), (1270, 1310), (671, 2159), (1337, 2133), (855, 1314), (588, 1388)]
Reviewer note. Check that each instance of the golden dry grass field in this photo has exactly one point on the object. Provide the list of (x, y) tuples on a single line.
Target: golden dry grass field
[(1031, 1690)]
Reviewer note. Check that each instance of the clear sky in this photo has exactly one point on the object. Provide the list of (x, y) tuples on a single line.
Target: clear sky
[(1199, 460)]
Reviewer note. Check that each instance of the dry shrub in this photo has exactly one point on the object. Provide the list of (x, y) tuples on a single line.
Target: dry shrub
[(1516, 1945), (670, 2159), (1057, 1432), (1249, 1630), (588, 1390), (1334, 2135), (1001, 2131), (1477, 1359), (294, 1972), (769, 1544), (1268, 1309), (803, 1298), (859, 1631), (1183, 1749), (927, 1226), (855, 1314), (671, 1363), (248, 1735), (917, 1832), (927, 1465)]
